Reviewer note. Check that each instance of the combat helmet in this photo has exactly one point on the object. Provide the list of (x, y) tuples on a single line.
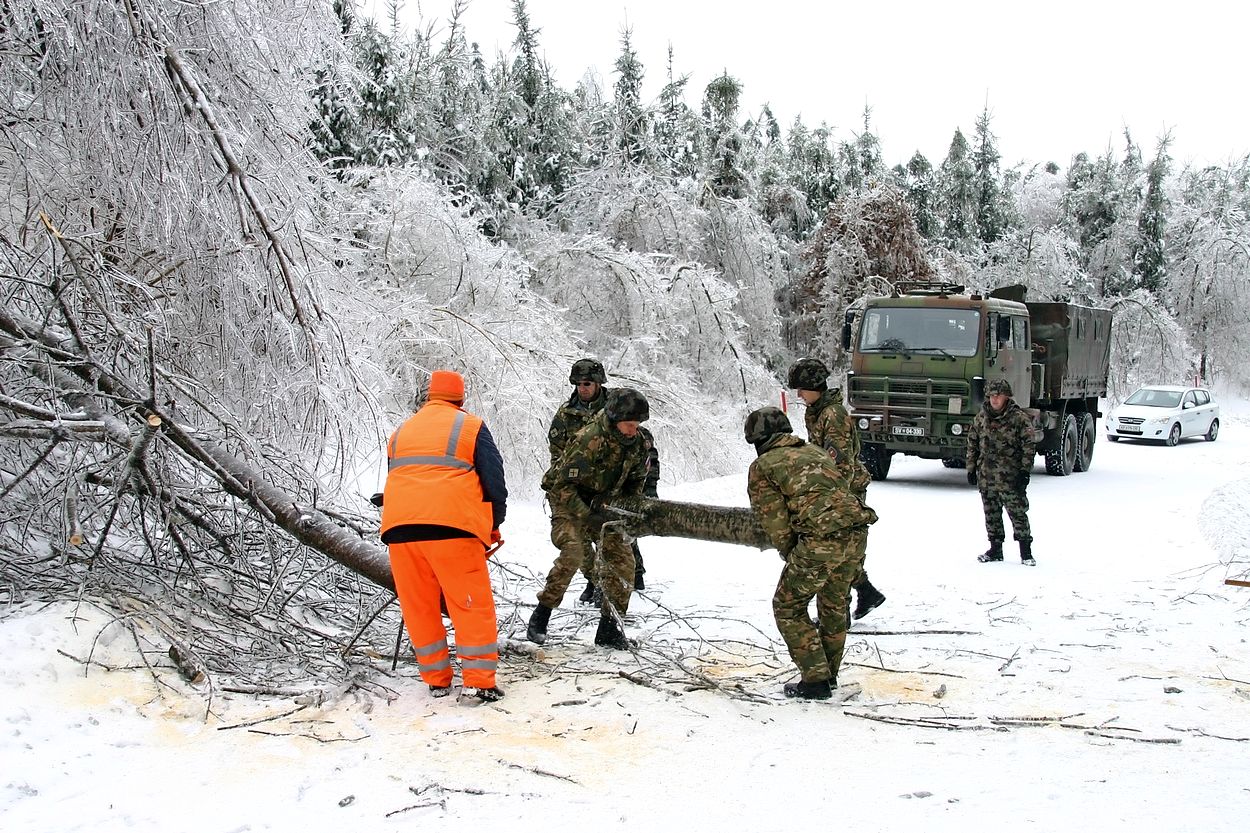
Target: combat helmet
[(998, 386), (626, 405), (587, 370), (807, 374), (763, 423)]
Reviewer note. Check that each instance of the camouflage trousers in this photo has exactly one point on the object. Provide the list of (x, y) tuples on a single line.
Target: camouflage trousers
[(1016, 502), (860, 546), (822, 569), (588, 566), (612, 566)]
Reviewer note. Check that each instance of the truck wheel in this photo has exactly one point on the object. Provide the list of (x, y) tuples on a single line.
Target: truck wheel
[(1060, 460), (876, 460), (954, 462), (1086, 435)]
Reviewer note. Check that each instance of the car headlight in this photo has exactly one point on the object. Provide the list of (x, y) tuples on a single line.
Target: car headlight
[(1160, 420)]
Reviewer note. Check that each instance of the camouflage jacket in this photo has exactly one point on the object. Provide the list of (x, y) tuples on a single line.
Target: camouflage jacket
[(599, 462), (571, 417), (1000, 446), (831, 427), (796, 492)]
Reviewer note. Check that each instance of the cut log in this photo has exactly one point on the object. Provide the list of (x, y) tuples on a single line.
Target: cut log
[(643, 516)]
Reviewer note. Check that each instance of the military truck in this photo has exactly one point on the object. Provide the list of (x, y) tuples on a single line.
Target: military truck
[(922, 357)]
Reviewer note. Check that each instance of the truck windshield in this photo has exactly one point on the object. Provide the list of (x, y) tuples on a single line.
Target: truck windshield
[(953, 332)]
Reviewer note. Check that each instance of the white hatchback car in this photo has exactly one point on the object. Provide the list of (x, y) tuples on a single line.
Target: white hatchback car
[(1167, 413)]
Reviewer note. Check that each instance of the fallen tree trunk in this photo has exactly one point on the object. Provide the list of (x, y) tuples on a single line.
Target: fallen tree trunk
[(643, 516)]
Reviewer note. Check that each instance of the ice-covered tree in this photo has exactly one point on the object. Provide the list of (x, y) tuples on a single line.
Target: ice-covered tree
[(632, 127), (724, 171)]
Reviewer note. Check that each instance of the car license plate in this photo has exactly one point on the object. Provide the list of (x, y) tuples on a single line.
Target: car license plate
[(1130, 430), (909, 430)]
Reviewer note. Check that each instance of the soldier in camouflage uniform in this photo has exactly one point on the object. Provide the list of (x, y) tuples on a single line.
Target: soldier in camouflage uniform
[(606, 459), (830, 427), (814, 521), (588, 378), (1000, 461)]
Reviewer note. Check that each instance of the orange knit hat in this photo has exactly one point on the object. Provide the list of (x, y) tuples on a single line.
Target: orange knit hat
[(447, 385)]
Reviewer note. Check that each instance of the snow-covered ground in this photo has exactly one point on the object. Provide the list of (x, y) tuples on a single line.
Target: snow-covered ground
[(1106, 689)]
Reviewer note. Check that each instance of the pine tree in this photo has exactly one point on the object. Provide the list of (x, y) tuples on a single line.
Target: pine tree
[(675, 127), (631, 118), (989, 196), (1149, 263), (335, 129), (814, 166), (724, 171), (921, 195), (957, 197)]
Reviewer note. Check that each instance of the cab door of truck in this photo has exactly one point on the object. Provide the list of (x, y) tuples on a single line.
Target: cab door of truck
[(1009, 353)]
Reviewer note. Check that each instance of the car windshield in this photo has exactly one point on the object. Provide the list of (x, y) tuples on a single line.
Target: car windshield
[(949, 332), (1152, 398)]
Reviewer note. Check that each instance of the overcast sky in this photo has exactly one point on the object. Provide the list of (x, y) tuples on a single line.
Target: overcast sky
[(1059, 77)]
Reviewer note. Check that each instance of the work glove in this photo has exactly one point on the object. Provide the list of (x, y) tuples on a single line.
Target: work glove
[(1022, 480), (376, 498), (495, 537), (972, 477)]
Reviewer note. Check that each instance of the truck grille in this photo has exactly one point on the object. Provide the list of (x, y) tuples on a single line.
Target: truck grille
[(907, 395)]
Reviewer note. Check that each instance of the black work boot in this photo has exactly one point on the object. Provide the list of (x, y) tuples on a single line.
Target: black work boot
[(867, 599), (994, 553), (815, 690), (488, 695), (536, 631), (609, 634), (1026, 553), (588, 594)]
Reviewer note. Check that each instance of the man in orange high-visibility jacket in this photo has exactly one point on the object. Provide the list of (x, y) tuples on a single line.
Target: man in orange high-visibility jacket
[(444, 500)]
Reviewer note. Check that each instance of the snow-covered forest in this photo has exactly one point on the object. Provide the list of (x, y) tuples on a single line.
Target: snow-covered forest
[(238, 236)]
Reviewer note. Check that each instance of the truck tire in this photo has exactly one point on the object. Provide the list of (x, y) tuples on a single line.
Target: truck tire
[(877, 460), (1061, 459), (954, 462), (1086, 434)]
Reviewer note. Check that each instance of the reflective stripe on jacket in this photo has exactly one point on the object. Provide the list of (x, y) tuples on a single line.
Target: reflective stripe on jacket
[(431, 477)]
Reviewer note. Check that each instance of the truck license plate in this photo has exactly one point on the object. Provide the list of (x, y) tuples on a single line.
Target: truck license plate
[(909, 430)]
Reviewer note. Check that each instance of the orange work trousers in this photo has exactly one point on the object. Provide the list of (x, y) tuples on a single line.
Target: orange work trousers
[(456, 568)]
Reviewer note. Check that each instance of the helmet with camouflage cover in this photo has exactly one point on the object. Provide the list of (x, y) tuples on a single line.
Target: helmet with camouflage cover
[(626, 405), (587, 370), (763, 423), (998, 386), (807, 374)]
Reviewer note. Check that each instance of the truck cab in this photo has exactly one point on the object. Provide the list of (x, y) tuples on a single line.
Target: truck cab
[(922, 357)]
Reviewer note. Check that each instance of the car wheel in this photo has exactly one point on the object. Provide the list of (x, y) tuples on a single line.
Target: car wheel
[(1174, 436), (1213, 431)]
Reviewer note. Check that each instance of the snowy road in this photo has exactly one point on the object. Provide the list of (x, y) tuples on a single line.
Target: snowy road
[(1124, 630)]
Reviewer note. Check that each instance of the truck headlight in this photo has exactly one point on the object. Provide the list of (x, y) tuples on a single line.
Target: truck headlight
[(957, 429), (863, 423)]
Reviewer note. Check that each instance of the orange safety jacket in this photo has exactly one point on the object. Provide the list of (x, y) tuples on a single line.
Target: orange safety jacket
[(431, 478)]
